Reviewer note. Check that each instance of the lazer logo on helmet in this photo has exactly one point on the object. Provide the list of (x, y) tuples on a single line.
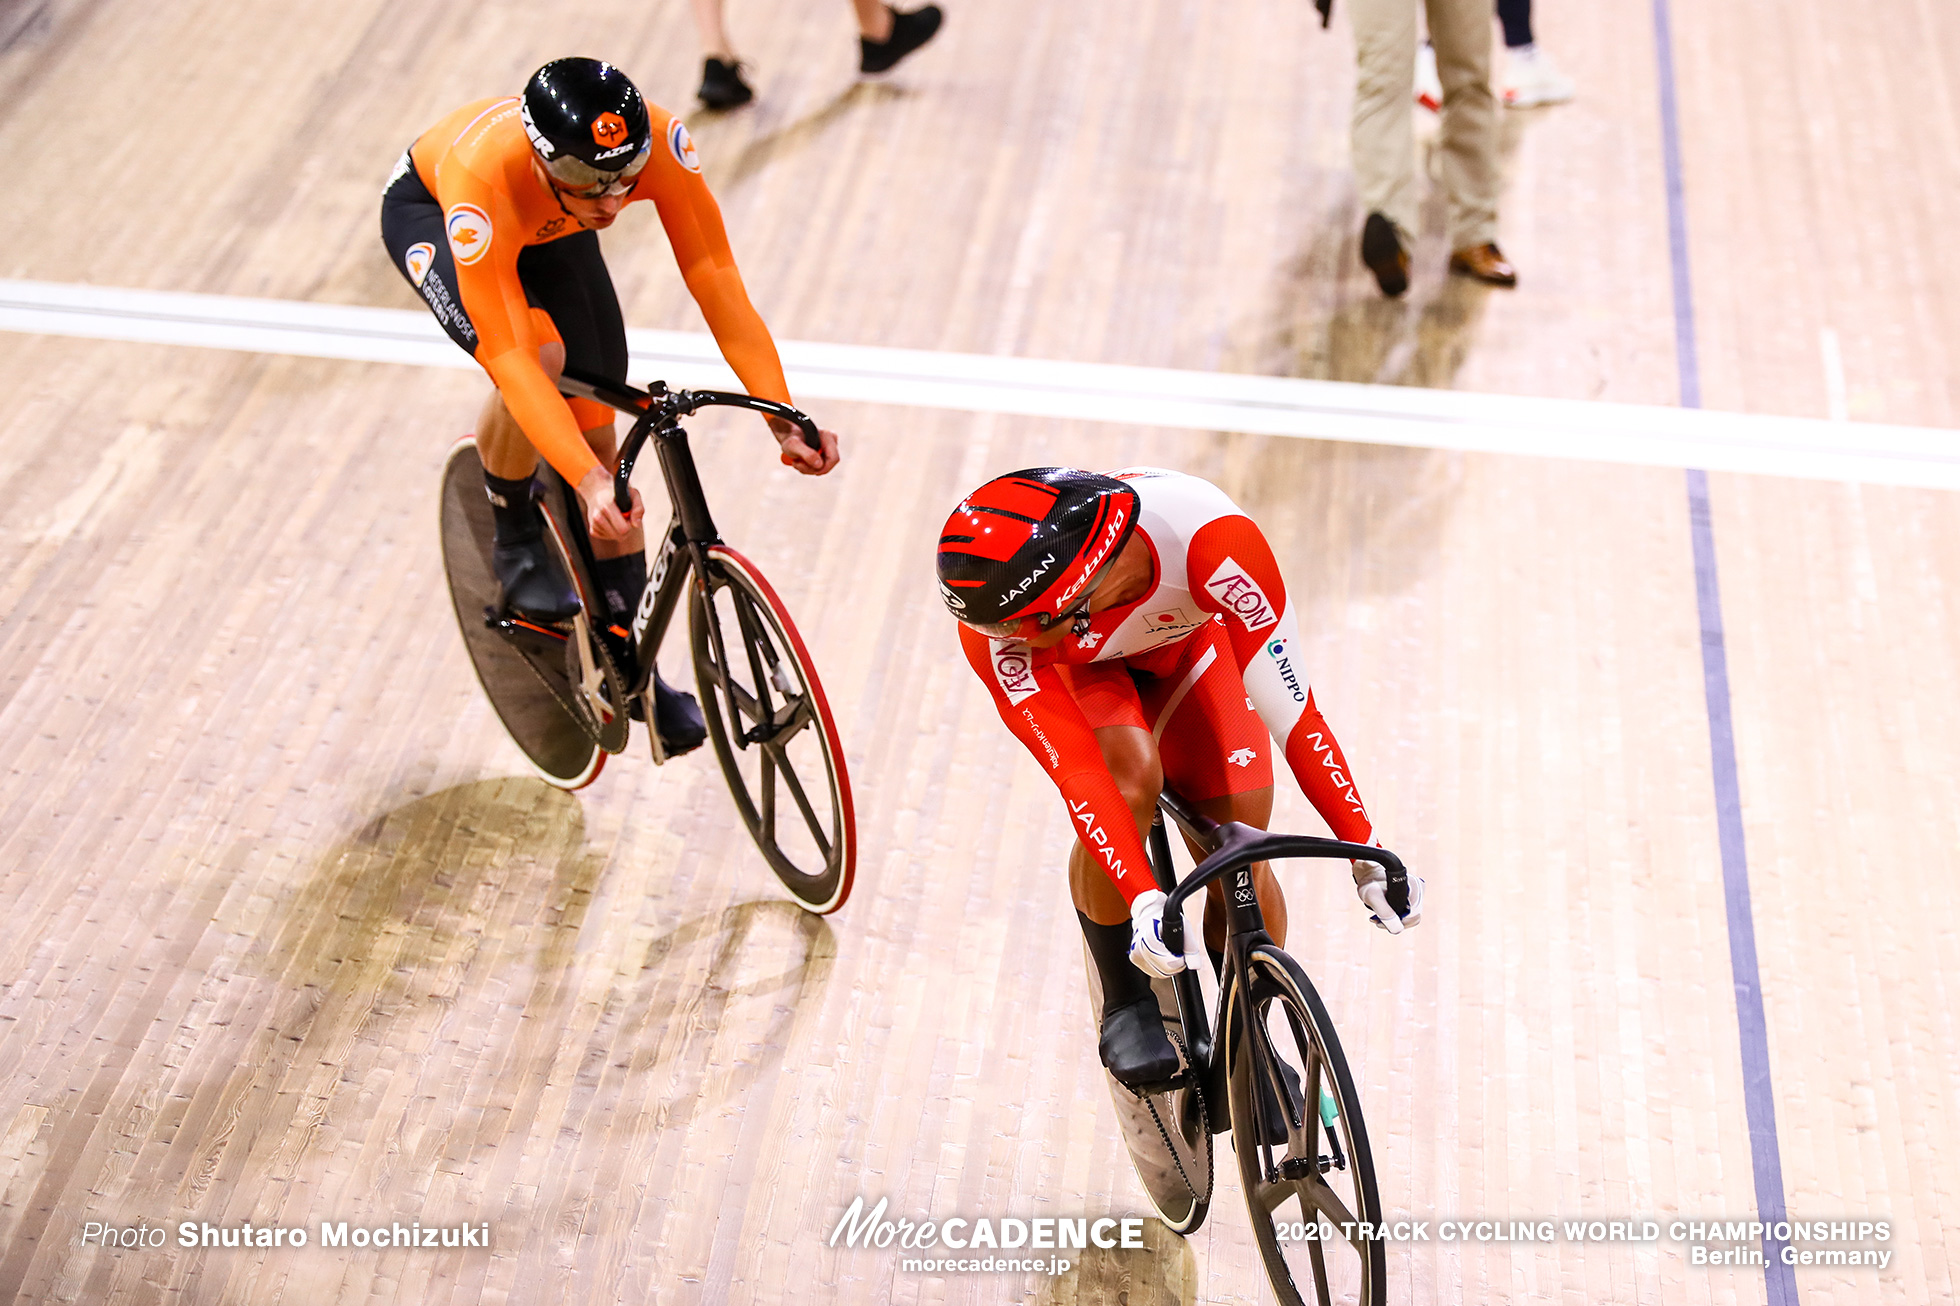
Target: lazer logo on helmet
[(1093, 563), (1014, 671), (539, 141), (1276, 650), (1240, 595)]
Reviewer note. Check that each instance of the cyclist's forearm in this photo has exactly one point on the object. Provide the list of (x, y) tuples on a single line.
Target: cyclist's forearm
[(1318, 764), (542, 413), (738, 329)]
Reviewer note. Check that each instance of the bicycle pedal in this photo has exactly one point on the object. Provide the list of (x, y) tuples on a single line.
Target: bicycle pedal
[(526, 633)]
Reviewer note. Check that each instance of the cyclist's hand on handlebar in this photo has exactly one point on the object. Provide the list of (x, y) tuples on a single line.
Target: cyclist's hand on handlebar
[(810, 462), (603, 519), (1371, 883), (1148, 952)]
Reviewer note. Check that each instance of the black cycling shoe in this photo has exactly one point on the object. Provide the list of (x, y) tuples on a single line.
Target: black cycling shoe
[(677, 716), (910, 30), (722, 86), (534, 586), (1134, 1047), (1269, 1105)]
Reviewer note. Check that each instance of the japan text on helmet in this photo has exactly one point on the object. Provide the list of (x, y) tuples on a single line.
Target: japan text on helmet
[(1026, 548), (586, 122)]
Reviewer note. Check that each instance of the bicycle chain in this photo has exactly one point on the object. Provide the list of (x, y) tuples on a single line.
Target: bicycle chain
[(1149, 1101)]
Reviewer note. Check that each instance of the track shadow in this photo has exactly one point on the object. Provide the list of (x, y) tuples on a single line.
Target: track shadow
[(788, 140)]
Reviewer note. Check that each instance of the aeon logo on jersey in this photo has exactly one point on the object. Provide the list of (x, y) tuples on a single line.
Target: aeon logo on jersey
[(1014, 671), (417, 260), (681, 145), (1240, 595), (1276, 650), (469, 233)]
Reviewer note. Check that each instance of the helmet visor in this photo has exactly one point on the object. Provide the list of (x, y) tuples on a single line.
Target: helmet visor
[(586, 182)]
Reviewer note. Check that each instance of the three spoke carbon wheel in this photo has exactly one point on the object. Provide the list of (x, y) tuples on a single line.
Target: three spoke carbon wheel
[(1308, 1193), (772, 730)]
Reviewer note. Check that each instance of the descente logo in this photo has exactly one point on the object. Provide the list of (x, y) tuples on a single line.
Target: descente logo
[(1014, 671), (1241, 596)]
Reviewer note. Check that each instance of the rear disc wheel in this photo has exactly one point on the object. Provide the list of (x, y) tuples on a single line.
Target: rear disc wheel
[(528, 686)]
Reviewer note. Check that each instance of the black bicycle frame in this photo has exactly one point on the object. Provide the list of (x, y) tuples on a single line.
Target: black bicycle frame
[(1233, 849), (657, 413)]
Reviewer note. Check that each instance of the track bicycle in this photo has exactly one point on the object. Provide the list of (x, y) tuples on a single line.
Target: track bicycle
[(564, 701), (1268, 1067)]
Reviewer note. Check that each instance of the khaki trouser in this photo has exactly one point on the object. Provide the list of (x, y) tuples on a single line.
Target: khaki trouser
[(1384, 105)]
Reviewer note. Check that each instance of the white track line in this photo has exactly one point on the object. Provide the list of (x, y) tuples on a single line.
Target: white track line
[(1144, 396)]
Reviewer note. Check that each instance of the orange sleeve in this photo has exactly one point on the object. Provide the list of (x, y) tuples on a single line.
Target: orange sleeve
[(693, 221), (484, 235)]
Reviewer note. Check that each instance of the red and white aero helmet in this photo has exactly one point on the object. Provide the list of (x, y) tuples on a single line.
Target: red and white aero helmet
[(1028, 547)]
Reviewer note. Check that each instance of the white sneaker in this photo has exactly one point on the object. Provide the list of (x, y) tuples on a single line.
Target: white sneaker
[(1429, 87), (1531, 78)]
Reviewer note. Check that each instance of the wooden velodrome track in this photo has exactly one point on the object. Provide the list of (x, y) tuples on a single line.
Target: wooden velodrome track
[(290, 937)]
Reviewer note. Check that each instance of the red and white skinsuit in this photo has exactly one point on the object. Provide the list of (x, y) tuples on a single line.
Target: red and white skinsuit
[(1205, 661)]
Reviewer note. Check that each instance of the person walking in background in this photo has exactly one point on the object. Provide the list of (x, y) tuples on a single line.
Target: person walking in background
[(1530, 76), (885, 36), (1384, 137)]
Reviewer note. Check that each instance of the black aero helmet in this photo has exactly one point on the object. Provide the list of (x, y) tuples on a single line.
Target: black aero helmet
[(1024, 547), (586, 122)]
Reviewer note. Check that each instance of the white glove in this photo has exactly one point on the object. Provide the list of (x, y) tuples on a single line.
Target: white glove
[(1148, 952), (1371, 884)]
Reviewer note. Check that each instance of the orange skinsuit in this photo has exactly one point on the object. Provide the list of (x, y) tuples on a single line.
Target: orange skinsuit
[(477, 163)]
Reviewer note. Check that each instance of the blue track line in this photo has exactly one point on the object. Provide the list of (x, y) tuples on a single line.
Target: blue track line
[(1758, 1096)]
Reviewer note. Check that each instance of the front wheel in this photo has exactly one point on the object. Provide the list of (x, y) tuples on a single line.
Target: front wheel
[(1310, 1190), (772, 730)]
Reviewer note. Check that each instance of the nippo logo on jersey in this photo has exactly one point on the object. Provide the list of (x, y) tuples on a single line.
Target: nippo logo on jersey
[(682, 146), (1276, 650), (1240, 595), (1013, 670), (608, 130), (469, 233), (417, 260)]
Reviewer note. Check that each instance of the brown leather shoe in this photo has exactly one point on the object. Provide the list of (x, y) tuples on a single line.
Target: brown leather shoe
[(1381, 250), (1486, 263)]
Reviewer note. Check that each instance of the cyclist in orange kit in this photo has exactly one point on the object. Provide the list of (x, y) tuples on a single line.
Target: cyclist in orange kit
[(492, 215)]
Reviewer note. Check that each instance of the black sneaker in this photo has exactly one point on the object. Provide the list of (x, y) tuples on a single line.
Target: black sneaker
[(1381, 250), (534, 586), (722, 86), (1134, 1047), (677, 716), (910, 30)]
